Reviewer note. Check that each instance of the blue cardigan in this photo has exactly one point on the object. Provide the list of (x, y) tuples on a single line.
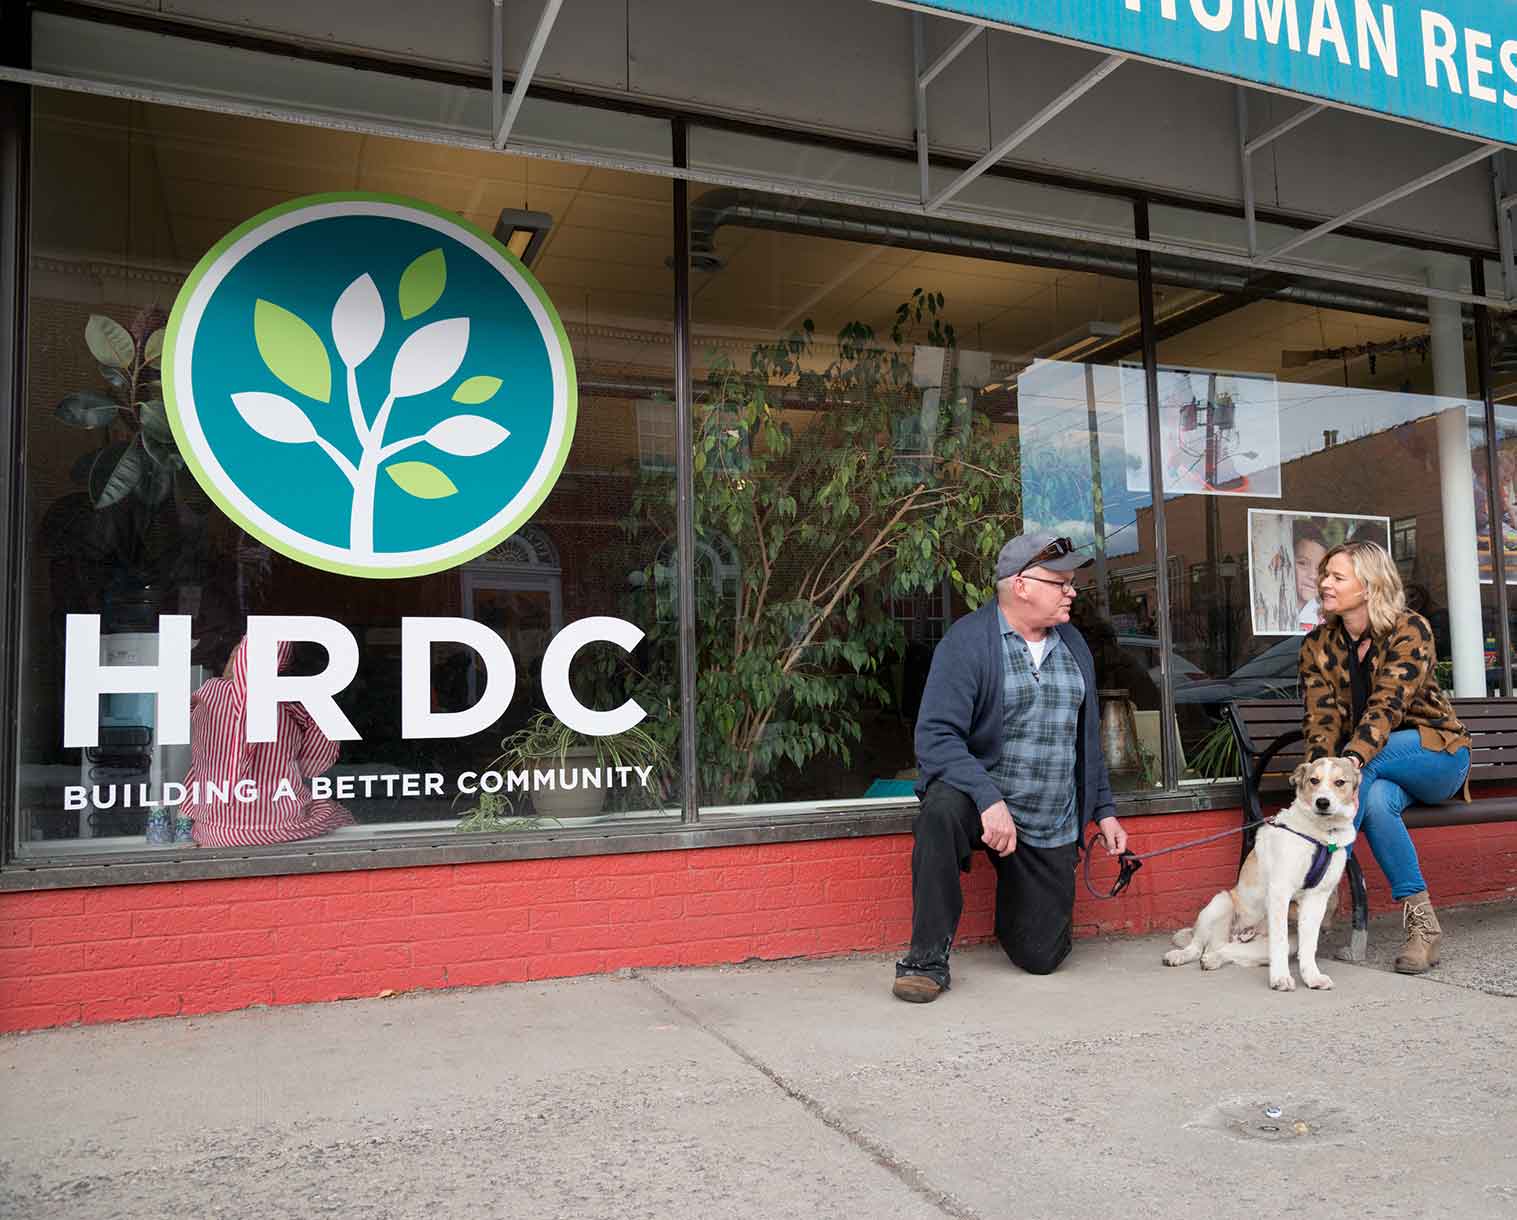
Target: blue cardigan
[(959, 726)]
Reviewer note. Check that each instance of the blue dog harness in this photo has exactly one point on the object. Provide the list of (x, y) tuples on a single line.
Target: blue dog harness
[(1321, 857)]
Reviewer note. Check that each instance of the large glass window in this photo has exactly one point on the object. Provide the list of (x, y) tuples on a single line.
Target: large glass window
[(873, 421), (1288, 428), (127, 198)]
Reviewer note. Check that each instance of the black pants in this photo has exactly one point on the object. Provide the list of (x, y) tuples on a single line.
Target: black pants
[(1035, 890)]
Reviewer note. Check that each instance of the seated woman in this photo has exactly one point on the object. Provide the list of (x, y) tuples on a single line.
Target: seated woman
[(282, 809), (1371, 695)]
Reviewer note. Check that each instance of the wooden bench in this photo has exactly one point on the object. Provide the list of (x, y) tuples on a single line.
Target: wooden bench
[(1268, 733)]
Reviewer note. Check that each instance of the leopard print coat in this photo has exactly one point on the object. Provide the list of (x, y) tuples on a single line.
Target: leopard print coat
[(1404, 693)]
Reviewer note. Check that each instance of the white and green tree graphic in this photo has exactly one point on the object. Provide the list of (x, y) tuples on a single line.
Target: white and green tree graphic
[(428, 358)]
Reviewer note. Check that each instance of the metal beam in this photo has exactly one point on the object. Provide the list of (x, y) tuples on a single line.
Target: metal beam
[(1028, 129), (1247, 163), (947, 57), (1275, 132), (1390, 197), (1504, 204), (528, 68), (497, 63), (918, 53)]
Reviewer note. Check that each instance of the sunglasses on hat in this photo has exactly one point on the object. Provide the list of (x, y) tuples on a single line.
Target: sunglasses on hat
[(1056, 549)]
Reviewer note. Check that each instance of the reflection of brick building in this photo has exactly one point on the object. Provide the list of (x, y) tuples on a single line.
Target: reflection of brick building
[(1391, 474)]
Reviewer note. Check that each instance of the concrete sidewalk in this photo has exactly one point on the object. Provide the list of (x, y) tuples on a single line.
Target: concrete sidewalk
[(1112, 1088)]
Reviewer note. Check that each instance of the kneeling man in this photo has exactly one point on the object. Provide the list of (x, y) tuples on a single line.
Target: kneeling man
[(1008, 743)]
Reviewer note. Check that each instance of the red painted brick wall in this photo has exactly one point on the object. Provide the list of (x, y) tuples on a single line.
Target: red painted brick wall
[(93, 955)]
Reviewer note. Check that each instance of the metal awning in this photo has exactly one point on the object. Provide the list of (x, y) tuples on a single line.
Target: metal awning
[(929, 193), (1192, 37)]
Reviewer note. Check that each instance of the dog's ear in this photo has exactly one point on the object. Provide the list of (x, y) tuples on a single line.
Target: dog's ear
[(1299, 774)]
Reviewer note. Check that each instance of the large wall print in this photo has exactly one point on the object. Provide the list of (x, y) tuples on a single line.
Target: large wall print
[(1219, 432), (1506, 495), (1284, 552)]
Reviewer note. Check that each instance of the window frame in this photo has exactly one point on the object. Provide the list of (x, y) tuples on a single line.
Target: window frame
[(757, 824)]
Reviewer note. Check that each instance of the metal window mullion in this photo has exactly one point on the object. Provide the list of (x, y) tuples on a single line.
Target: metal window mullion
[(15, 136), (684, 487), (1168, 745), (1493, 504)]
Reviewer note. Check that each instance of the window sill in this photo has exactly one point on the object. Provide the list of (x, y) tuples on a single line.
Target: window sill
[(121, 861)]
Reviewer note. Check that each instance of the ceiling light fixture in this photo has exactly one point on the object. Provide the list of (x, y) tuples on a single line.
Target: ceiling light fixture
[(522, 232)]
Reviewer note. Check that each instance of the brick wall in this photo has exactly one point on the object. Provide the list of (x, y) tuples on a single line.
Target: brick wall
[(118, 953)]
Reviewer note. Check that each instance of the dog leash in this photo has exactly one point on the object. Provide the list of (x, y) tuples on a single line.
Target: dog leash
[(1129, 862)]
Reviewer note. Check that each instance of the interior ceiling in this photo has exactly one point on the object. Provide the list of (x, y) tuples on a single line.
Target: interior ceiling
[(604, 259)]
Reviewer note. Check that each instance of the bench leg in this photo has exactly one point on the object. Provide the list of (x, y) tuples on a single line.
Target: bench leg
[(1359, 934)]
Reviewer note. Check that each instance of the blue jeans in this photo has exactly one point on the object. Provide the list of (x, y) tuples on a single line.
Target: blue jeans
[(1403, 772)]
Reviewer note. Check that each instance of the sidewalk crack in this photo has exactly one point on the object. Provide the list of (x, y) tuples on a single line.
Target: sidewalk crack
[(903, 1171)]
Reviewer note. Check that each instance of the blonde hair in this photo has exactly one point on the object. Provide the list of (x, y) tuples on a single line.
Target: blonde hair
[(1385, 597)]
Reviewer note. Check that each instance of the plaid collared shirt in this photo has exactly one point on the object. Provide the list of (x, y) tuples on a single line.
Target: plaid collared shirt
[(1036, 769)]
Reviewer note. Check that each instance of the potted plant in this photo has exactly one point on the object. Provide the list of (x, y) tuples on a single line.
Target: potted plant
[(545, 743)]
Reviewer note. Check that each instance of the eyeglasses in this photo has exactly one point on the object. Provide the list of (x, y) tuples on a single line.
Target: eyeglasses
[(1056, 549), (1068, 586)]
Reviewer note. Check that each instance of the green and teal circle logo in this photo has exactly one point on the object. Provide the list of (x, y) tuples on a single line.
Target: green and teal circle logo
[(369, 385)]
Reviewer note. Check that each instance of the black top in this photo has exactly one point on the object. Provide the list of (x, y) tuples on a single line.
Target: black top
[(1359, 674)]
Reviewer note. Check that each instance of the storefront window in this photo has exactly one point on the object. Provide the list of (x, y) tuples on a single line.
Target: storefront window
[(1286, 429), (128, 523), (872, 422)]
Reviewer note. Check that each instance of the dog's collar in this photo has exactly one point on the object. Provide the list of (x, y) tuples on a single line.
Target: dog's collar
[(1321, 857)]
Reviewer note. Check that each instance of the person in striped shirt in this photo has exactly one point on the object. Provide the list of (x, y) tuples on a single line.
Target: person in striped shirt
[(281, 808)]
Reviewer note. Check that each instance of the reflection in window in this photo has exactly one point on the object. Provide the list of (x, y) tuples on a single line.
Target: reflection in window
[(904, 413), (121, 529), (1343, 427)]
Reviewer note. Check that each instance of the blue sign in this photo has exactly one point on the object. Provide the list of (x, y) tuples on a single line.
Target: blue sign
[(1447, 63)]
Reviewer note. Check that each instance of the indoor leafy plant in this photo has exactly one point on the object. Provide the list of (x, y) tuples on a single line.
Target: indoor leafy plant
[(545, 743), (125, 535), (823, 470)]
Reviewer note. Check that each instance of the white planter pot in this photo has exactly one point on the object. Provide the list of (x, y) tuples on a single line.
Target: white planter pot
[(576, 802)]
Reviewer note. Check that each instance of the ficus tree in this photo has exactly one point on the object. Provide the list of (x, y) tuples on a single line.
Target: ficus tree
[(837, 482)]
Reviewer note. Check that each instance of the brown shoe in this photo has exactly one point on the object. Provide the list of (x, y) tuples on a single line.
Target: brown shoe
[(916, 989), (1424, 937)]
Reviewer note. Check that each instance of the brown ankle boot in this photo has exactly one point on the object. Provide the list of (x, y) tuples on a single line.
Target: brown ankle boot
[(1423, 935)]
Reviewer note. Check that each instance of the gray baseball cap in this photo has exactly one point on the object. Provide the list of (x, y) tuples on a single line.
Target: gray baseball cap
[(1043, 549)]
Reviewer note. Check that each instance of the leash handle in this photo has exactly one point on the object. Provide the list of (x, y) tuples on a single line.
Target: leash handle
[(1129, 862)]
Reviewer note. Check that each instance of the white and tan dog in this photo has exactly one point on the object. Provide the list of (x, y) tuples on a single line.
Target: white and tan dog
[(1320, 820)]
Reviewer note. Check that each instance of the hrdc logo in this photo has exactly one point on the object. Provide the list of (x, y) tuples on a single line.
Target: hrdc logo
[(369, 385)]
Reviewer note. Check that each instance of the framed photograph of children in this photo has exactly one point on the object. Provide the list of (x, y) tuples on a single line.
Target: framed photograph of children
[(1219, 432), (1284, 551)]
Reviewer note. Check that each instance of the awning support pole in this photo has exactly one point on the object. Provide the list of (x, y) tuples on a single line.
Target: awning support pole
[(528, 68), (1504, 204), (1246, 158), (1028, 129), (918, 53), (1390, 197), (497, 63), (1275, 132), (925, 77), (960, 45)]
